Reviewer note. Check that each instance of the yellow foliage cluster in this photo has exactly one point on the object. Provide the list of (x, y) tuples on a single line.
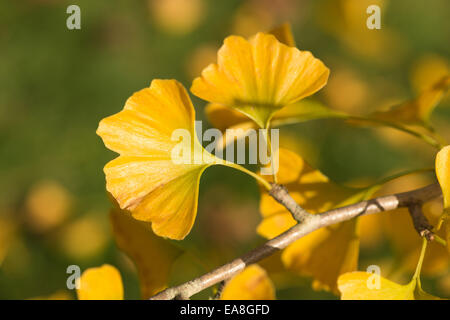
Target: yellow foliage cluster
[(259, 82)]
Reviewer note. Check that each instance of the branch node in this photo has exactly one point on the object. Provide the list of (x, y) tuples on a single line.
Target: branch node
[(282, 196), (420, 222)]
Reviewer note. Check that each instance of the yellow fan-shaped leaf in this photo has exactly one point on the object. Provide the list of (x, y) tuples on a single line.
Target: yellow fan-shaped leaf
[(369, 286), (325, 253), (259, 76), (145, 179), (365, 286), (152, 255), (418, 110), (101, 283), (443, 173), (251, 284)]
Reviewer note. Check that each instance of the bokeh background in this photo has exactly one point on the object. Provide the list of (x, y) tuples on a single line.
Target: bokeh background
[(56, 84)]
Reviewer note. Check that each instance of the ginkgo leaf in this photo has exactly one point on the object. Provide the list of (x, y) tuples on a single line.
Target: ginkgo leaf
[(369, 286), (223, 117), (418, 110), (101, 283), (145, 179), (325, 253), (443, 173), (260, 76), (152, 255), (251, 284)]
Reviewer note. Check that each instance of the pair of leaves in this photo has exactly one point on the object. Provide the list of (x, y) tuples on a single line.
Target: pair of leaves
[(418, 110), (256, 77)]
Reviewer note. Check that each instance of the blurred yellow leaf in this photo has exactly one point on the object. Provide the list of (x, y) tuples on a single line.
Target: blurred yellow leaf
[(152, 255), (359, 286), (145, 179), (443, 173), (253, 16), (325, 253), (371, 230), (254, 76), (251, 284), (348, 91), (369, 286), (101, 283), (199, 58), (347, 21), (48, 205), (177, 16), (83, 238), (418, 110), (428, 69)]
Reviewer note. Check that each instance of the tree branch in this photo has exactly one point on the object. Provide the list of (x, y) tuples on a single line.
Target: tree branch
[(309, 224)]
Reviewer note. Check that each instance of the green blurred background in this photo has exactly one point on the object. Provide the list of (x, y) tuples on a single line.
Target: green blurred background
[(56, 84)]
